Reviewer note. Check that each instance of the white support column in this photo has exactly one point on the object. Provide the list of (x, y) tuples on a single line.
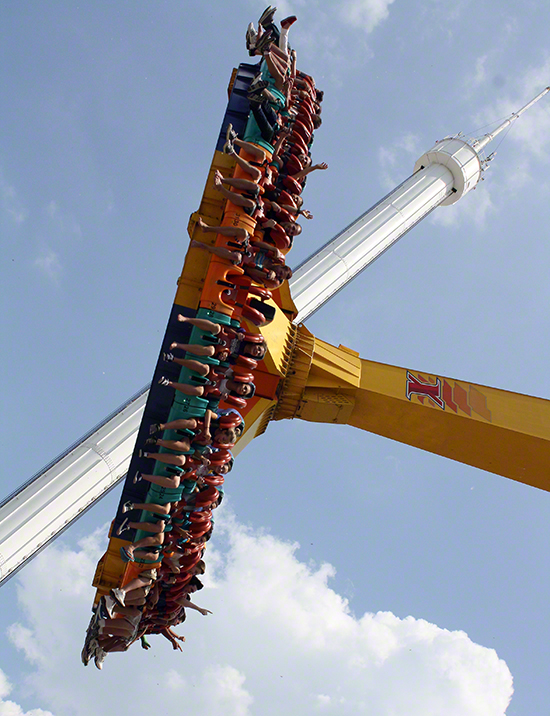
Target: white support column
[(442, 175), (46, 505)]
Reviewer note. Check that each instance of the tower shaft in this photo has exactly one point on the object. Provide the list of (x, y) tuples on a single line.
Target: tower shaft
[(441, 176)]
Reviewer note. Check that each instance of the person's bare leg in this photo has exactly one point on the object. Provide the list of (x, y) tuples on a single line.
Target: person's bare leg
[(172, 482), (257, 152), (203, 324), (111, 643), (136, 583), (195, 349), (135, 602), (274, 60), (182, 445), (126, 611), (194, 365), (149, 557), (164, 457), (144, 543), (150, 507), (181, 423), (283, 56), (254, 172), (236, 231), (220, 251), (137, 593), (186, 389), (232, 196), (278, 73), (242, 184), (117, 627), (155, 527)]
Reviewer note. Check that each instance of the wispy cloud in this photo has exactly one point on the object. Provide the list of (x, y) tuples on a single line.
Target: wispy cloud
[(332, 22), (64, 223), (532, 131), (480, 72), (11, 204), (476, 207), (365, 14), (278, 631), (49, 264), (10, 708), (488, 65), (398, 159)]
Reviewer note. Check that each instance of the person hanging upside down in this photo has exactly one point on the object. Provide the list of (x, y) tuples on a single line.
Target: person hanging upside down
[(237, 232), (259, 268), (204, 370), (142, 581), (227, 386), (222, 436), (234, 339), (164, 457), (261, 159), (249, 200)]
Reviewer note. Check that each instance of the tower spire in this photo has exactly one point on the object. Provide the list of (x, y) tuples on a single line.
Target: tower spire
[(479, 144)]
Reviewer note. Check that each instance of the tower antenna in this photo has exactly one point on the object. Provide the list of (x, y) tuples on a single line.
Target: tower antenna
[(479, 144)]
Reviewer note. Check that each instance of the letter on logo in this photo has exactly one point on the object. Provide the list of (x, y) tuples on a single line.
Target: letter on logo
[(429, 390)]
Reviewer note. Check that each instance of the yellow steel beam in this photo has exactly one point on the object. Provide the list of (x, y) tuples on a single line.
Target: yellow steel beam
[(496, 430)]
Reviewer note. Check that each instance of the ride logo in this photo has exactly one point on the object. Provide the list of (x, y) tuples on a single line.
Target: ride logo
[(441, 393)]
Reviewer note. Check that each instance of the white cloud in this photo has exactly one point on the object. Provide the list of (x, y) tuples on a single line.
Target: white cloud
[(480, 74), (10, 708), (175, 681), (48, 262), (530, 134), (365, 14), (279, 635), (532, 130), (475, 207), (224, 691)]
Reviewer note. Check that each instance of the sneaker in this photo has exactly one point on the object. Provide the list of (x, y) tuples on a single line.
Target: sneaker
[(269, 96), (267, 16), (250, 36), (109, 605), (256, 85), (88, 650), (123, 527), (137, 477), (118, 595), (230, 134), (135, 620), (100, 657), (288, 21), (151, 441), (154, 428), (102, 611), (265, 39), (127, 507), (164, 381), (168, 357)]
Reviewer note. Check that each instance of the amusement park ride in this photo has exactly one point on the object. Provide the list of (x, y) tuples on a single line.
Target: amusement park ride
[(301, 375)]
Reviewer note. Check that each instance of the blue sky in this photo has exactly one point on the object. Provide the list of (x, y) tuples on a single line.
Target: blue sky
[(110, 116)]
